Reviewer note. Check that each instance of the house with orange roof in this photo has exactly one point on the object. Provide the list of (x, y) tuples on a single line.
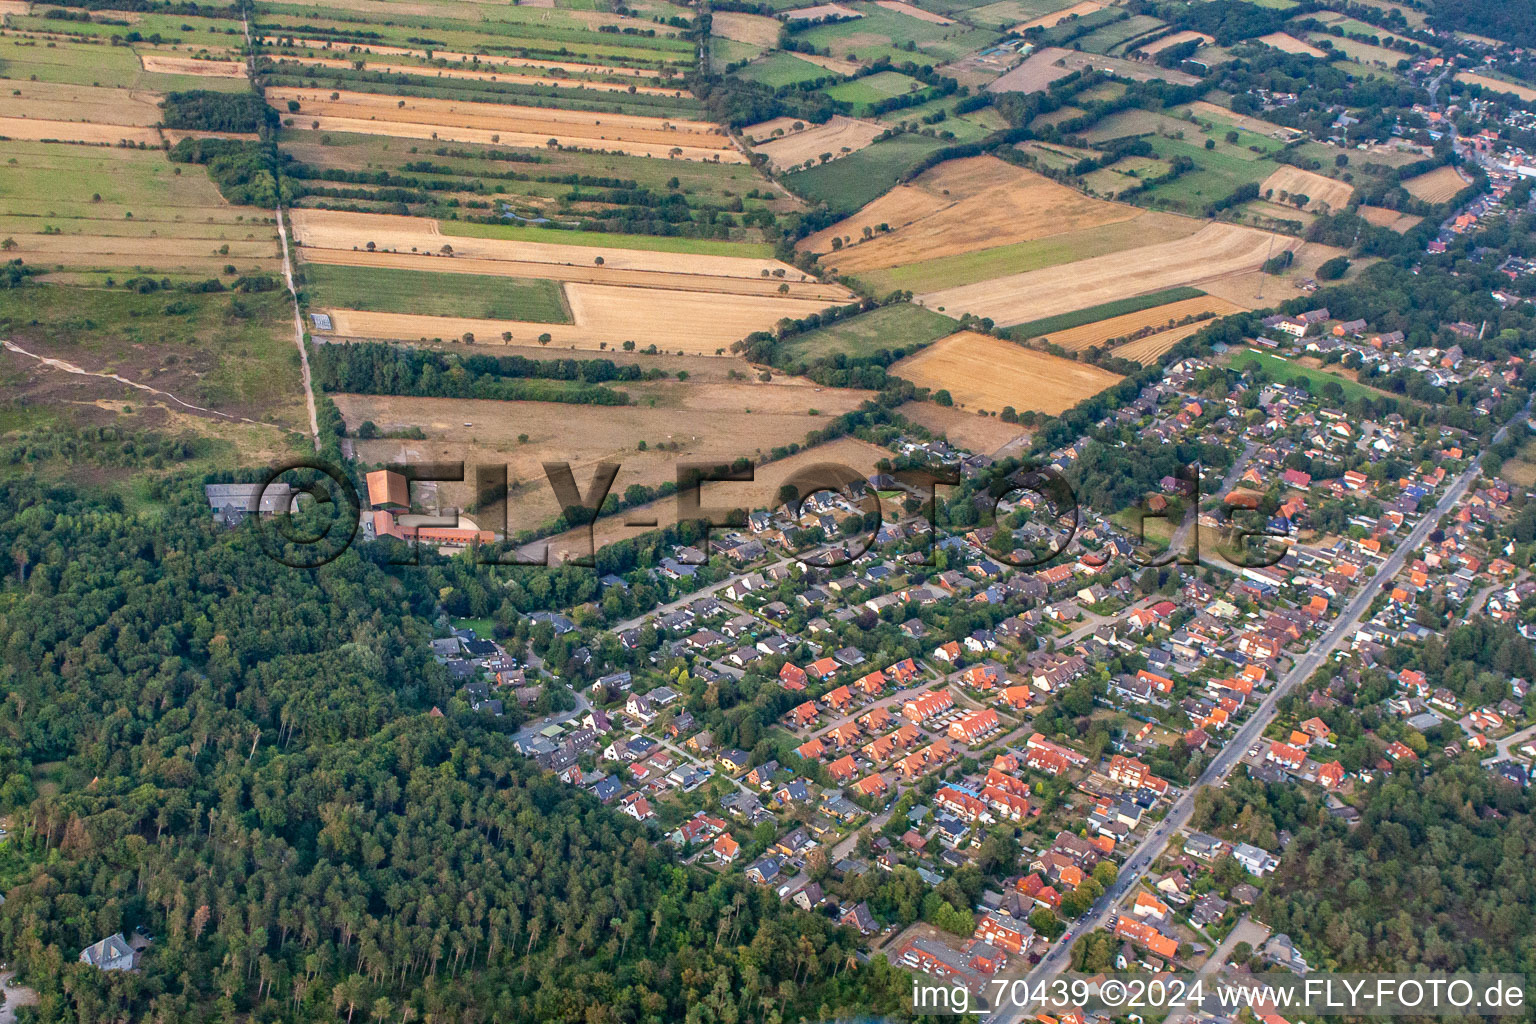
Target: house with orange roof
[(804, 715), (843, 769), (844, 734), (792, 676), (822, 668), (811, 750), (1285, 755), (926, 706), (949, 652), (1147, 905), (1017, 697), (1147, 937), (976, 723), (880, 749), (870, 785), (726, 848), (1162, 684), (875, 720), (903, 671), (838, 699), (872, 684)]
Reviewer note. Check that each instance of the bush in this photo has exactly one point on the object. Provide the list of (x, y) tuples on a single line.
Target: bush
[(1333, 269)]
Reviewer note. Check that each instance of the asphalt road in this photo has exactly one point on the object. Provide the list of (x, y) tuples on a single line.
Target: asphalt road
[(1131, 873)]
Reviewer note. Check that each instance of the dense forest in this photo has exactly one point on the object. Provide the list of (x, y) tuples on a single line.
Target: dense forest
[(212, 111), (237, 757)]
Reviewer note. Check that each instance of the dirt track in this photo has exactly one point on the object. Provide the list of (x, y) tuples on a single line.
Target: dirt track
[(191, 66), (1215, 251), (483, 76)]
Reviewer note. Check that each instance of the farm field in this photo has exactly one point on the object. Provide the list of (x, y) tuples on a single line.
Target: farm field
[(677, 422), (513, 125), (1049, 63), (1437, 186), (958, 207), (1290, 44), (1215, 251), (1362, 53), (1053, 18), (984, 434), (900, 325), (871, 89), (796, 147), (1385, 218), (1254, 289), (1525, 92), (848, 183), (78, 208), (983, 372), (779, 69), (745, 28), (1103, 311), (1076, 339), (1110, 38), (406, 291), (1322, 191), (1150, 348), (1021, 257), (884, 32), (1177, 39)]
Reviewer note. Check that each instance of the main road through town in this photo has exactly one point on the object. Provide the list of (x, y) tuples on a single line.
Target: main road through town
[(1057, 960)]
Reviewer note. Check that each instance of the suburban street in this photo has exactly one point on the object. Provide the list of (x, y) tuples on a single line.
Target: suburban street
[(1136, 866)]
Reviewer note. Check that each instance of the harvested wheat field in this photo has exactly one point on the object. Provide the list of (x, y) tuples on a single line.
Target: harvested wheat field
[(839, 133), (1076, 339), (1320, 189), (470, 74), (1177, 39), (191, 66), (17, 7), (1207, 110), (107, 107), (1254, 289), (914, 12), (1525, 92), (1216, 250), (585, 273), (960, 206), (36, 129), (1149, 349), (968, 430), (1385, 218), (764, 130), (1056, 17), (1290, 44), (700, 323), (1438, 186), (745, 28), (457, 120), (983, 372), (336, 229)]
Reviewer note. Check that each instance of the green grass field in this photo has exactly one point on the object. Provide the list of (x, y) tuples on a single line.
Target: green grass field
[(1103, 311), (1004, 13), (901, 325), (849, 183), (43, 177), (86, 63), (1217, 172), (1281, 369), (886, 33), (651, 243), (883, 85), (387, 290), (779, 69)]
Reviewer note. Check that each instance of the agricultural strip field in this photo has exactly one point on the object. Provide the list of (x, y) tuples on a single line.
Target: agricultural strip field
[(1438, 186), (847, 184), (339, 230), (501, 75), (1076, 339), (839, 133), (701, 323), (885, 32), (405, 291), (1051, 20), (1385, 218), (1177, 39), (1321, 190), (1290, 44), (745, 28), (1524, 92), (378, 114), (67, 62), (779, 69), (983, 372), (104, 108), (1216, 250), (958, 207), (1151, 348), (1021, 257), (111, 208), (1051, 325), (600, 239), (900, 325)]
